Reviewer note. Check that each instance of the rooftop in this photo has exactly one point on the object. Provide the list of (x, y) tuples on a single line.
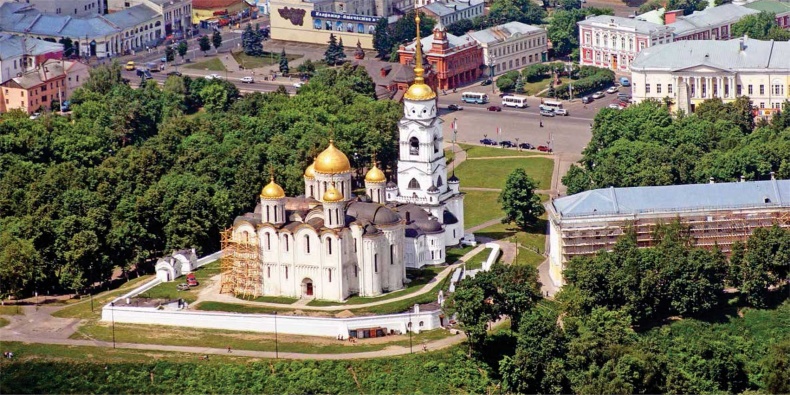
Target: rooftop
[(636, 25), (675, 198), (12, 46), (724, 55), (777, 7), (503, 32), (427, 42), (444, 8), (710, 17), (211, 4), (47, 71)]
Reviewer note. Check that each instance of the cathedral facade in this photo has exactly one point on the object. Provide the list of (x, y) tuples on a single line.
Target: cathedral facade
[(328, 244)]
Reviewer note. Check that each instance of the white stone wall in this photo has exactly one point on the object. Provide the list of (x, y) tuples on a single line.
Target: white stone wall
[(295, 325)]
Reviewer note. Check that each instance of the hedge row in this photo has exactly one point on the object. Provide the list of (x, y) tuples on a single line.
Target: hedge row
[(593, 79)]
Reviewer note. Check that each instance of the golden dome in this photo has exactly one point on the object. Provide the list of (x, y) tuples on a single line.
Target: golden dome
[(375, 175), (332, 161), (419, 90), (272, 191), (310, 171), (332, 195)]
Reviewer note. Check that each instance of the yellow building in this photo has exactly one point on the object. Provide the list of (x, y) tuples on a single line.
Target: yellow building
[(206, 9), (313, 22)]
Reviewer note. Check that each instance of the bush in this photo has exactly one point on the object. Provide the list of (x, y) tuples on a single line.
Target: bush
[(536, 72), (591, 79)]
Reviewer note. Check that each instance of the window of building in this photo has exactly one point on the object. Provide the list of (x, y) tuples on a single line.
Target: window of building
[(414, 146), (658, 88), (762, 104), (392, 254), (750, 90), (285, 239), (738, 90), (669, 89), (329, 271), (375, 263), (286, 272), (307, 243), (762, 89), (356, 271), (329, 246), (269, 272), (268, 242), (647, 88), (779, 89), (413, 184)]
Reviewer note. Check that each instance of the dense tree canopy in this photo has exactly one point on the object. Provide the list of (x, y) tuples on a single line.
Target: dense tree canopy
[(760, 26), (563, 31), (128, 177), (519, 201)]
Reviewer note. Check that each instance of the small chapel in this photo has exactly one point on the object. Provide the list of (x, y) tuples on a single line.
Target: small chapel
[(329, 244)]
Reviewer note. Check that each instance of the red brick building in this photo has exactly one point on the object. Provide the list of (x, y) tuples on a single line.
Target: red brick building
[(455, 61)]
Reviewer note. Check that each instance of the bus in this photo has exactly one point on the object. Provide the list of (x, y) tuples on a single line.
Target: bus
[(551, 105), (514, 101), (474, 97)]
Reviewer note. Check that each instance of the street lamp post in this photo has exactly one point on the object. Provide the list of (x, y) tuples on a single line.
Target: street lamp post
[(491, 64), (112, 313), (518, 148), (569, 69), (276, 343)]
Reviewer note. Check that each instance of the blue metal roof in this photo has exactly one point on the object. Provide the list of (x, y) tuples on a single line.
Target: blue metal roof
[(675, 198)]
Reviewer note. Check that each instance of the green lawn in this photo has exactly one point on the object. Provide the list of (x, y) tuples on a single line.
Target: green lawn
[(455, 253), (3, 322), (478, 151), (418, 277), (476, 262), (275, 299), (169, 291), (181, 336), (532, 88), (532, 241), (82, 309), (268, 59), (10, 310), (480, 206), (213, 64), (493, 173)]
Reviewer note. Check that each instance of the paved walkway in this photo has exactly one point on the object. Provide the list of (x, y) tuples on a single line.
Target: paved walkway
[(211, 293)]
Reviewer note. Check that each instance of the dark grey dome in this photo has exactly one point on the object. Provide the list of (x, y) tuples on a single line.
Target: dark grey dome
[(430, 226), (371, 229), (453, 178), (433, 188), (372, 212), (449, 218), (392, 185)]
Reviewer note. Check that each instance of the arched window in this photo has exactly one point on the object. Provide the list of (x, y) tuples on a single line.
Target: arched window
[(439, 182), (312, 192), (435, 145), (267, 213), (413, 184), (269, 272), (329, 271), (329, 246), (414, 146), (286, 272), (375, 263), (392, 254), (268, 241), (286, 243), (307, 243)]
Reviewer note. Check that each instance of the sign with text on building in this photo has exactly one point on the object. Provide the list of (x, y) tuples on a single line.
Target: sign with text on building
[(348, 23)]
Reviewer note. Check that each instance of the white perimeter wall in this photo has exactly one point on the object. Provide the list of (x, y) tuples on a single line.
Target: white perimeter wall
[(296, 325)]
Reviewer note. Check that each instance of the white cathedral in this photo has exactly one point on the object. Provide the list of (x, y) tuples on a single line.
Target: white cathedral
[(329, 245)]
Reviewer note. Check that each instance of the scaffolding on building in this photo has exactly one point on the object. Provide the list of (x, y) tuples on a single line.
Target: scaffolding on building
[(721, 229), (241, 266)]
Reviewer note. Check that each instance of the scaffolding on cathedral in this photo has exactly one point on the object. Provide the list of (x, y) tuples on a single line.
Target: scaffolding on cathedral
[(241, 267)]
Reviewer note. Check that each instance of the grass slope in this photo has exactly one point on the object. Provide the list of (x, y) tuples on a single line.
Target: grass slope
[(493, 173)]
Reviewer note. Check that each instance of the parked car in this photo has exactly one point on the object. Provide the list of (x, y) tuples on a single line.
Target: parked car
[(191, 280), (163, 59), (487, 142), (213, 77), (506, 144), (624, 81), (544, 148), (174, 73), (182, 287), (561, 111), (624, 96), (130, 66), (65, 106), (526, 146), (35, 115), (587, 99), (615, 106), (486, 82), (612, 90), (247, 80), (469, 240), (454, 107), (503, 94), (298, 85), (494, 108), (598, 95), (547, 113)]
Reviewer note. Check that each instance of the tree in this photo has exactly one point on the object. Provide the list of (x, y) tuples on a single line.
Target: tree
[(331, 54), (103, 78), (68, 46), (215, 98), (519, 201), (776, 366), (563, 31), (472, 303), (251, 41), (19, 263), (182, 49), (170, 53), (568, 5), (341, 51), (382, 42), (520, 84), (284, 63), (216, 40), (460, 27), (518, 290), (760, 26), (403, 31), (205, 44)]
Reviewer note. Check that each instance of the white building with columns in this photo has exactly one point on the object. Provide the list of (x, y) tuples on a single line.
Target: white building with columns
[(613, 41), (689, 72), (329, 244)]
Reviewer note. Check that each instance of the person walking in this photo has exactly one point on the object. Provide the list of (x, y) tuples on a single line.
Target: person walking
[(229, 351), (541, 123)]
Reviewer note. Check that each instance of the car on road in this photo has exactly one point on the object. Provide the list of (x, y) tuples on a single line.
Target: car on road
[(191, 280), (174, 73), (503, 94), (526, 146), (35, 115), (163, 59), (561, 111), (547, 113), (298, 84), (615, 106), (454, 107), (495, 108), (506, 144), (247, 80), (624, 96), (612, 90), (130, 66), (469, 240), (486, 82), (598, 95), (487, 142), (587, 100), (544, 148), (182, 287), (65, 106), (213, 77)]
